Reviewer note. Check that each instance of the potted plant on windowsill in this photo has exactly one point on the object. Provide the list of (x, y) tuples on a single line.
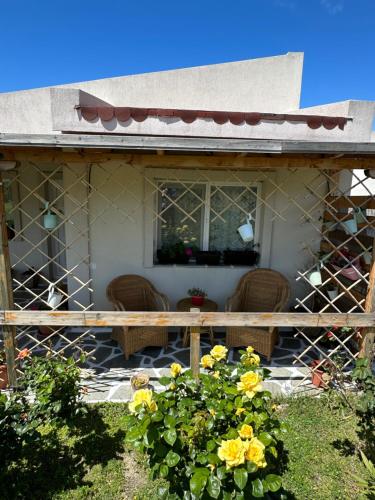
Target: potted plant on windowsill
[(240, 257), (197, 296), (177, 253), (3, 371), (208, 258)]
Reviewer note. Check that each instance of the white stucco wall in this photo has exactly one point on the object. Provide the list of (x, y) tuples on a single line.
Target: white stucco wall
[(118, 243)]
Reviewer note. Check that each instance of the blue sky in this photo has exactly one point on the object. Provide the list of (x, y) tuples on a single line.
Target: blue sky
[(48, 43)]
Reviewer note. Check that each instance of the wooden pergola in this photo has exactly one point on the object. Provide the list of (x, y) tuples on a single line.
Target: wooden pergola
[(185, 153)]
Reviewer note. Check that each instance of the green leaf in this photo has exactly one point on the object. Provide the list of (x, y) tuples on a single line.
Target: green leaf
[(163, 471), (273, 482), (251, 467), (221, 472), (163, 492), (240, 478), (170, 436), (211, 445), (257, 402), (198, 482), (170, 421), (157, 416), (265, 438), (232, 434), (151, 436), (213, 486), (165, 380), (273, 451), (257, 488), (172, 458), (212, 458), (134, 434)]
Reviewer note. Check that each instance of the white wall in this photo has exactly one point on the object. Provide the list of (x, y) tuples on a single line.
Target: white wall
[(117, 242)]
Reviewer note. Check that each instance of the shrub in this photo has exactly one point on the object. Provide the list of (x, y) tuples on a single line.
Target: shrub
[(48, 393), (365, 409), (215, 437)]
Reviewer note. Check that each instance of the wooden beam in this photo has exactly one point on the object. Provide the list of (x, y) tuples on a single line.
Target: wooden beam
[(368, 334), (172, 143), (202, 319), (195, 346), (181, 161), (6, 292)]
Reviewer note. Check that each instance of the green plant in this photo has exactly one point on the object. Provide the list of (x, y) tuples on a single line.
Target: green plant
[(196, 292), (48, 393), (54, 385), (367, 485), (365, 409), (212, 437)]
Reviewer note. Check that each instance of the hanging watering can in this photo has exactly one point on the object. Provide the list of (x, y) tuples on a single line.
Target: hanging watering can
[(49, 219), (246, 230), (360, 215), (350, 226), (315, 277), (54, 298)]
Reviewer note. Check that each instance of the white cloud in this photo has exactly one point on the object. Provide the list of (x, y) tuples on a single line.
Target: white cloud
[(332, 6), (285, 4)]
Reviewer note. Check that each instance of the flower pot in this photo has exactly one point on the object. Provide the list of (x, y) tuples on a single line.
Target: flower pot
[(47, 330), (196, 300), (318, 376), (332, 294), (139, 381), (3, 377), (350, 226), (240, 257), (211, 258)]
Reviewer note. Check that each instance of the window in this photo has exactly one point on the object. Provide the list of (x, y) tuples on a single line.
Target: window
[(204, 216)]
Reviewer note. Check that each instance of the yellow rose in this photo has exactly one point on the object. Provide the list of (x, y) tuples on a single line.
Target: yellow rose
[(232, 452), (250, 383), (219, 352), (143, 397), (254, 452), (250, 349), (239, 411), (246, 432), (216, 374), (207, 361), (175, 369)]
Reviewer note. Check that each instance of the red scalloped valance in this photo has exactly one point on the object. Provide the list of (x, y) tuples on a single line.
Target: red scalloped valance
[(123, 114)]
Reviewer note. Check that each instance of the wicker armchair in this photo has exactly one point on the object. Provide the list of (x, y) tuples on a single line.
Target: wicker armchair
[(134, 293), (261, 290)]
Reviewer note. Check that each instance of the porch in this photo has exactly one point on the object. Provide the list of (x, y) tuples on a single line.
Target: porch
[(111, 214)]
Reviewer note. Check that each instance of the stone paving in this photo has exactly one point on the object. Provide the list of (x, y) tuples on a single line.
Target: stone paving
[(107, 377), (107, 374)]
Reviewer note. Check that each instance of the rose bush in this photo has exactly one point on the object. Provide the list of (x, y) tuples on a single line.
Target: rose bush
[(212, 437)]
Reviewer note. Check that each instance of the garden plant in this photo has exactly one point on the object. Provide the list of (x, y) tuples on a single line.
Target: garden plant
[(217, 436)]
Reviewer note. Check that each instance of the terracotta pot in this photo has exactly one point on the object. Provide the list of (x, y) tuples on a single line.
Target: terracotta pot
[(3, 377), (197, 300), (46, 330), (317, 376)]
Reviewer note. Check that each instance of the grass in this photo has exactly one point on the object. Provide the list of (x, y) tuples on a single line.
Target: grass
[(90, 461), (321, 449)]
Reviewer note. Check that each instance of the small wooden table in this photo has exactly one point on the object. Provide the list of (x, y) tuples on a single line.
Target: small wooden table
[(207, 306)]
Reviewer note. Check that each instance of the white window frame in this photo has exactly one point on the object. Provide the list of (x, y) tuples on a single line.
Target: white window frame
[(262, 226)]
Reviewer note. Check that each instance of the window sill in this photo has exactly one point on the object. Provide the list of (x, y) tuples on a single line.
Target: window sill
[(206, 266)]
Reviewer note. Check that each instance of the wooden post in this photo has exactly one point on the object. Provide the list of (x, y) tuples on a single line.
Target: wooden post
[(195, 346), (6, 291), (368, 335)]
